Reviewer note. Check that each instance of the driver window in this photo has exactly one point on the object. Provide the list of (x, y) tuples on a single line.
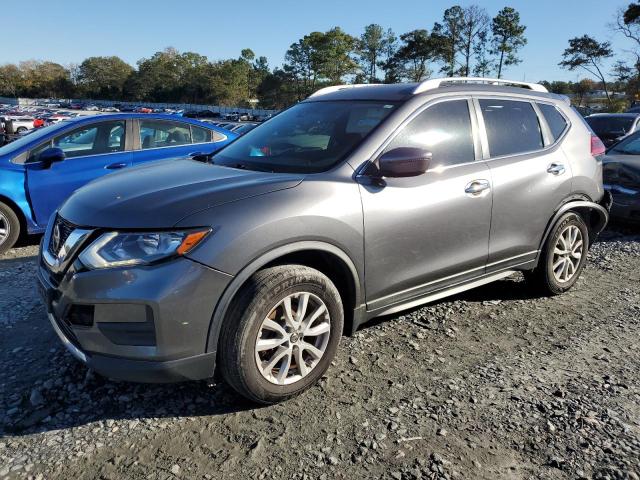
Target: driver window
[(444, 129), (92, 139)]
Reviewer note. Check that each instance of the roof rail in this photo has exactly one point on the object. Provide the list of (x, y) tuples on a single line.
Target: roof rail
[(335, 88), (437, 82)]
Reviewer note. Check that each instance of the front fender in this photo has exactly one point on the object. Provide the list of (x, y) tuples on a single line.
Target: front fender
[(234, 286)]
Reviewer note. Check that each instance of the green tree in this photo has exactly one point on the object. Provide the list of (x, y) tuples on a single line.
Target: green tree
[(474, 25), (389, 63), (447, 37), (45, 79), (415, 54), (508, 38), (483, 62), (103, 77), (11, 80), (587, 53), (370, 47)]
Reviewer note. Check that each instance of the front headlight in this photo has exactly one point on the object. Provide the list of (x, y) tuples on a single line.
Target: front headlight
[(118, 249)]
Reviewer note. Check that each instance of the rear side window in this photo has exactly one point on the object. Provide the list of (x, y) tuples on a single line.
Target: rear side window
[(200, 135), (555, 120), (444, 129), (158, 134), (512, 127)]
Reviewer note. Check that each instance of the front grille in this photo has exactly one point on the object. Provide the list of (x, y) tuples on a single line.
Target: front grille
[(65, 228)]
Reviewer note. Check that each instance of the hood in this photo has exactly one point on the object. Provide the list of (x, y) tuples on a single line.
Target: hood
[(159, 194)]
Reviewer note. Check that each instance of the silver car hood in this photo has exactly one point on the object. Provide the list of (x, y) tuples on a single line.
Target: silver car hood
[(160, 194)]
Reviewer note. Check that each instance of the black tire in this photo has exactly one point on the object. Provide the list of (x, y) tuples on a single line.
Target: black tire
[(543, 279), (242, 325), (9, 220), (21, 129)]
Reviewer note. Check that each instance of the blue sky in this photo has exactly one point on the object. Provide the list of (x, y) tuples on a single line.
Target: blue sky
[(68, 31)]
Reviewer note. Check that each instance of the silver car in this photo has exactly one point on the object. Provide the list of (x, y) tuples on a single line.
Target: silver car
[(362, 200)]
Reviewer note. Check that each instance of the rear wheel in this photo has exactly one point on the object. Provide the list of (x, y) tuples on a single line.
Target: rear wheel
[(281, 333), (21, 129), (563, 256), (9, 228)]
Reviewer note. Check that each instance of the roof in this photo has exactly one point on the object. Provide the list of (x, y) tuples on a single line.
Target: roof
[(621, 115), (405, 91)]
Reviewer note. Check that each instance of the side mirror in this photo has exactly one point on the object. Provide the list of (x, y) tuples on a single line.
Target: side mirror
[(50, 156), (404, 162)]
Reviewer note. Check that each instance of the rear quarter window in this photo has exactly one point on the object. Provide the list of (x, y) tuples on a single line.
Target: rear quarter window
[(555, 120)]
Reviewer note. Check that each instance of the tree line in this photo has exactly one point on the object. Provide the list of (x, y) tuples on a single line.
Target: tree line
[(588, 54), (466, 41)]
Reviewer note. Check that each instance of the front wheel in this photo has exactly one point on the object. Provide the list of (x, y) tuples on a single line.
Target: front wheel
[(9, 228), (563, 256), (281, 333)]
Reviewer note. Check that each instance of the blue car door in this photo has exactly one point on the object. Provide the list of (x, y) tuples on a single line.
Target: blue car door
[(164, 139), (91, 151)]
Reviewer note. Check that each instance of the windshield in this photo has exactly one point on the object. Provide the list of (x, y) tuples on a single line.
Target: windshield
[(34, 137), (310, 137), (628, 146), (610, 125)]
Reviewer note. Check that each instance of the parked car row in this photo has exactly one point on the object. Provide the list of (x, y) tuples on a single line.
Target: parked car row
[(40, 170)]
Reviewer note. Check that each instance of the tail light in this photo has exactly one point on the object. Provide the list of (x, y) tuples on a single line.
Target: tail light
[(597, 147)]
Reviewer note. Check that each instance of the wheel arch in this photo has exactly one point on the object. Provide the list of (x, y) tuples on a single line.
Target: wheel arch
[(325, 257), (18, 211), (594, 215)]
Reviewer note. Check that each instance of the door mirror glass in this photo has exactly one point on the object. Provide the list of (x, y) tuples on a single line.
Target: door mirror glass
[(404, 162), (51, 155)]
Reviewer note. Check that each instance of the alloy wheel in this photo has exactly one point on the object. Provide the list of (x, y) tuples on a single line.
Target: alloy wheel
[(293, 338), (5, 228), (567, 254)]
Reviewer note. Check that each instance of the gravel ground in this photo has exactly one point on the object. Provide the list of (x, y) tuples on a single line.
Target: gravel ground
[(490, 384)]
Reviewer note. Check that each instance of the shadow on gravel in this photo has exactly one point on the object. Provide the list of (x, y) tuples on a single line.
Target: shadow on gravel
[(72, 396)]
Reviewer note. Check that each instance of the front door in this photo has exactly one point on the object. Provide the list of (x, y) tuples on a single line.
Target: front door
[(431, 231), (90, 151)]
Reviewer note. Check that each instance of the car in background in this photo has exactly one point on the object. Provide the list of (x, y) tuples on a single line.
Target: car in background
[(91, 108), (612, 127), (39, 171), (621, 175), (109, 109), (143, 110), (20, 125)]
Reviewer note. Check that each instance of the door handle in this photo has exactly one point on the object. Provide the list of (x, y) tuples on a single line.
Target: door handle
[(556, 169), (477, 188), (115, 166)]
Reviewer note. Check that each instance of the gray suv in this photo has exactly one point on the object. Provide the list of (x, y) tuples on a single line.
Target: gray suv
[(360, 201)]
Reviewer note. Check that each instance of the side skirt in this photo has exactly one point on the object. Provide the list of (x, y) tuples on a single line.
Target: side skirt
[(432, 297)]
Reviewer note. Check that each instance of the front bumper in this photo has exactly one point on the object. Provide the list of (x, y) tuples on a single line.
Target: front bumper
[(142, 324)]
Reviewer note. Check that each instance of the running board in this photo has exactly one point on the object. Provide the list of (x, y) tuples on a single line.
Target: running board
[(443, 293)]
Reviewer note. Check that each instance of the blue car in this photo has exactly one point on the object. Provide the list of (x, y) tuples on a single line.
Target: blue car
[(40, 170)]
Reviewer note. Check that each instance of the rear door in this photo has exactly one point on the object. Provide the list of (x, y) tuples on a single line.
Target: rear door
[(530, 175), (163, 139), (91, 151)]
